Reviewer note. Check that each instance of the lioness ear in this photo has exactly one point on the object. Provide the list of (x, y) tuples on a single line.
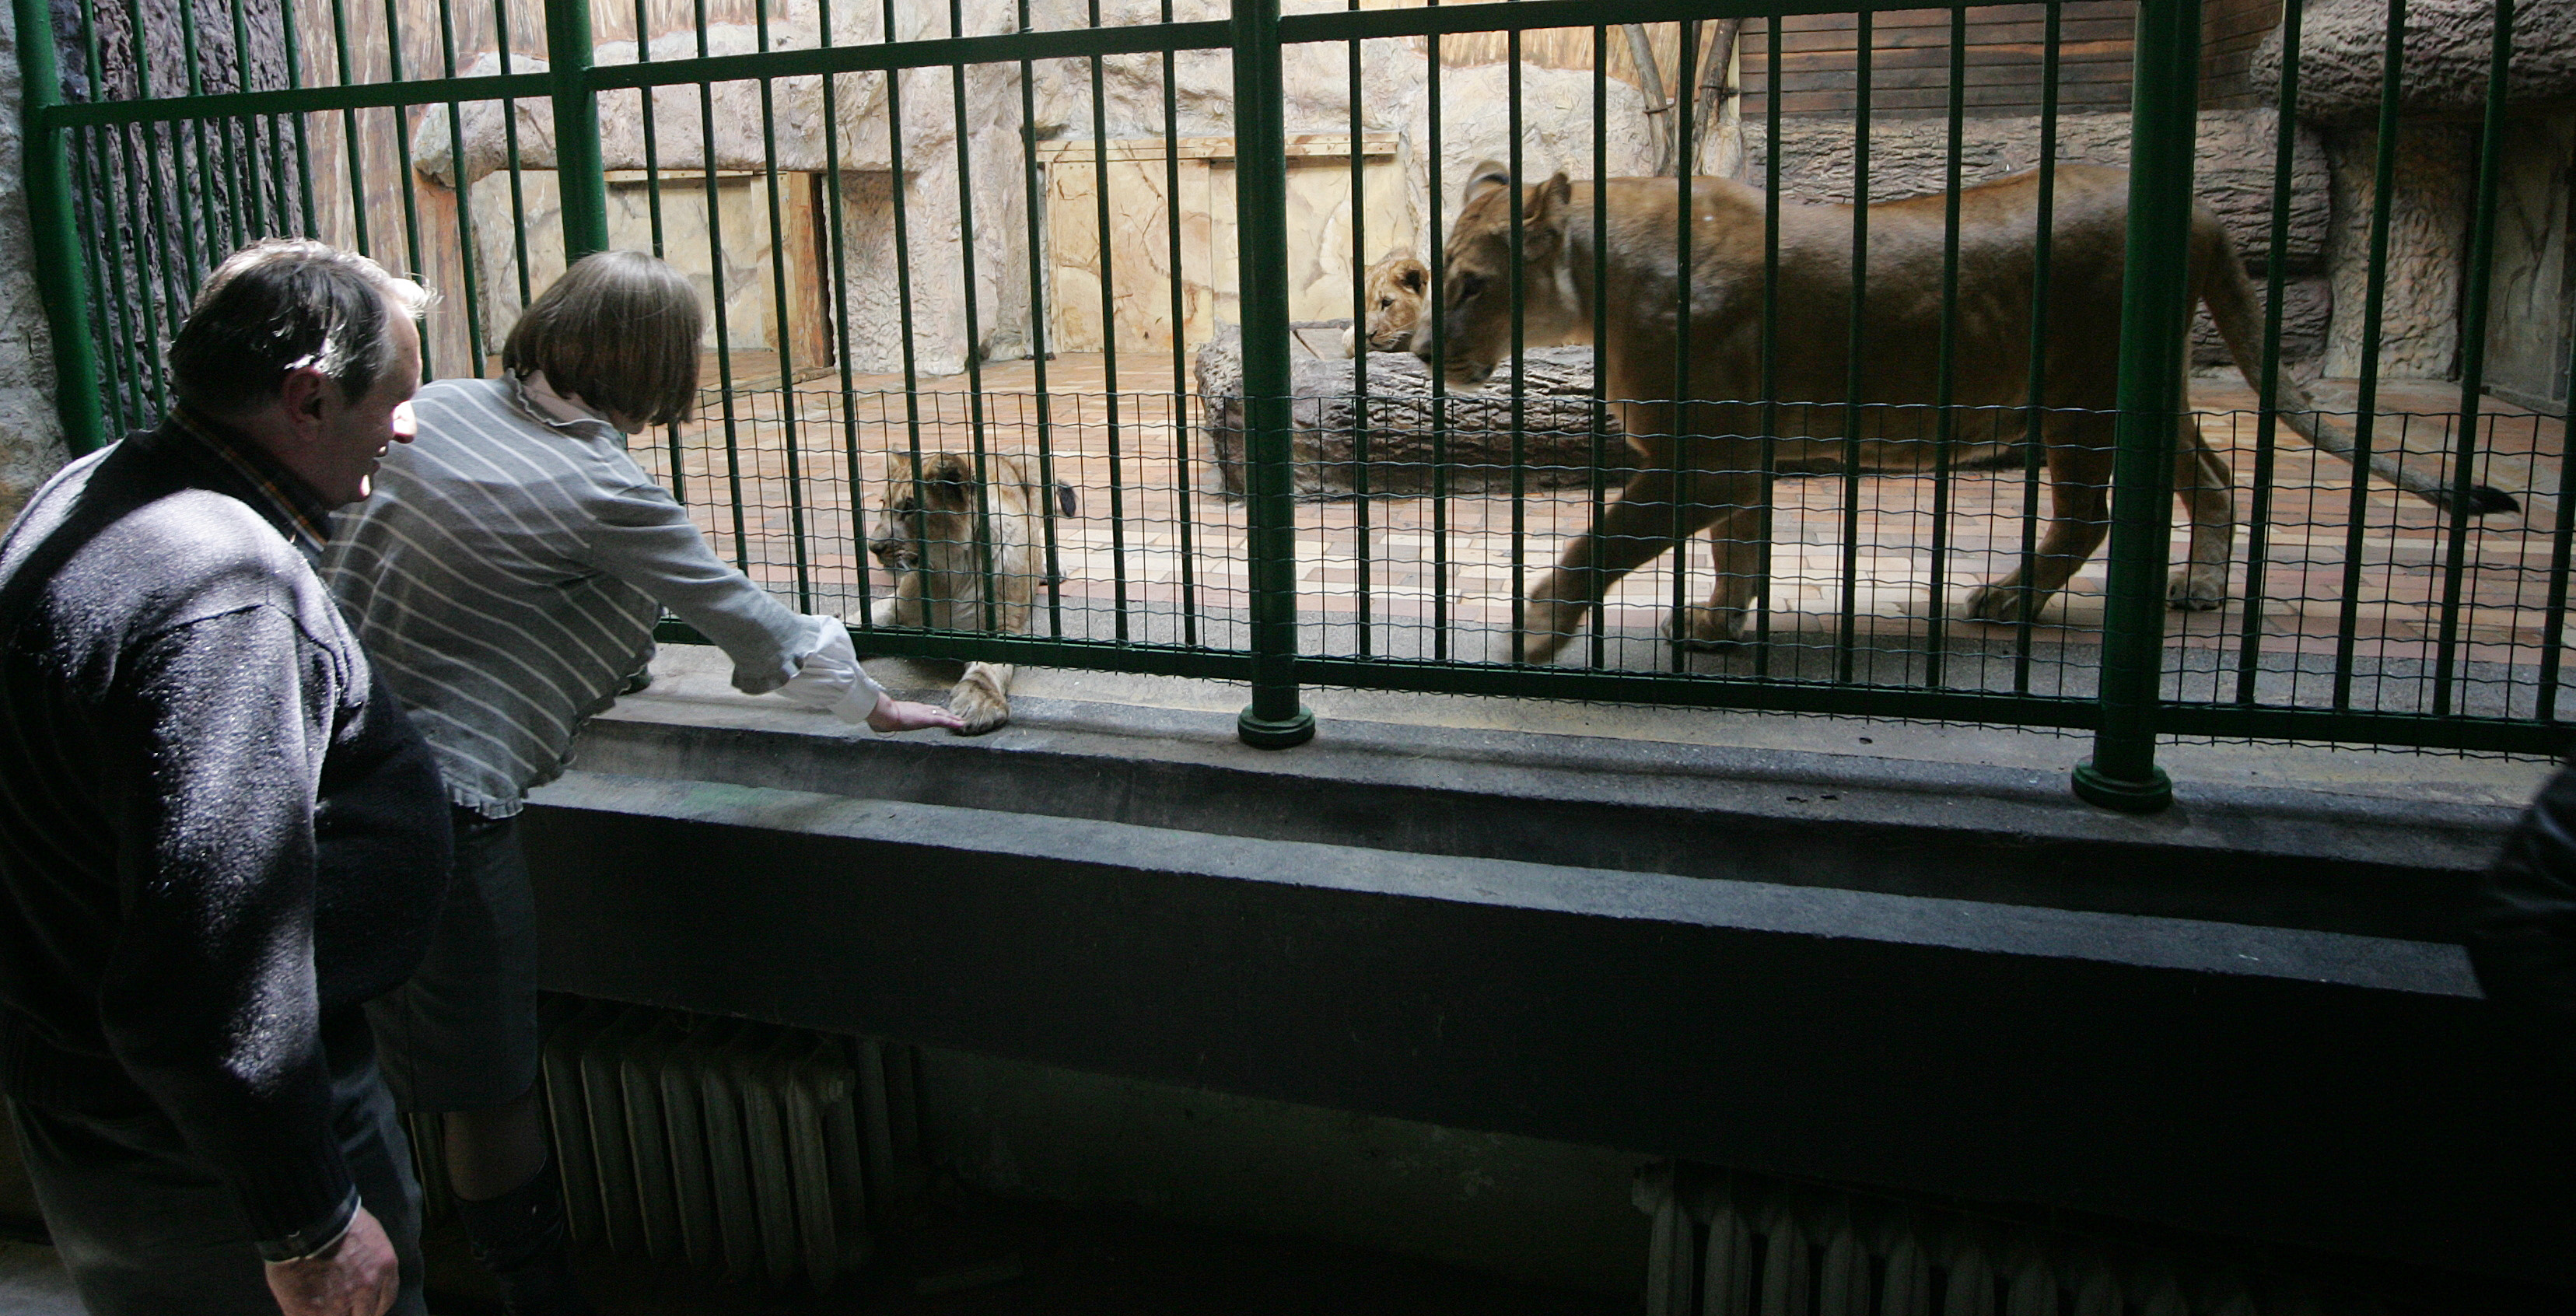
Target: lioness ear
[(1064, 498), (1546, 209), (1413, 276), (950, 476), (1485, 178)]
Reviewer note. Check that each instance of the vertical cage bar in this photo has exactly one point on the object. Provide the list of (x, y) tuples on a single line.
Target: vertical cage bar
[(580, 182), (59, 269), (854, 491), (1361, 347), (1685, 209), (974, 329), (1185, 488), (349, 130), (1768, 515), (510, 143), (465, 254), (303, 144), (903, 290), (1597, 481), (1855, 349), (1108, 350), (2365, 420), (2267, 416), (716, 283), (1520, 346), (2553, 631), (2473, 360), (2036, 423), (799, 552), (1439, 363), (1944, 413), (1037, 313), (1274, 719), (2154, 319)]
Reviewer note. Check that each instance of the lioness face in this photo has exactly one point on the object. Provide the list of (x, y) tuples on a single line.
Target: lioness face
[(1397, 290), (1476, 314)]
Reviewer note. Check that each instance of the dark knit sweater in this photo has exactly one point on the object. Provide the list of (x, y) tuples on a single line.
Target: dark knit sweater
[(217, 836)]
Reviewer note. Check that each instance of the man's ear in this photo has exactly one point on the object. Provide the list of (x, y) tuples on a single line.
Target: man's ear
[(1485, 178), (303, 394), (1543, 219)]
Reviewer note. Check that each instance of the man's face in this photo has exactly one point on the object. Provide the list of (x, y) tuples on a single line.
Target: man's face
[(349, 437)]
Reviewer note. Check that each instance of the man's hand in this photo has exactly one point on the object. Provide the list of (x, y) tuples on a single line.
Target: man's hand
[(357, 1276), (892, 715)]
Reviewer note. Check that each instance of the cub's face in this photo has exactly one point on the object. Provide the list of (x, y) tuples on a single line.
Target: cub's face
[(1476, 291), (908, 508), (1397, 290)]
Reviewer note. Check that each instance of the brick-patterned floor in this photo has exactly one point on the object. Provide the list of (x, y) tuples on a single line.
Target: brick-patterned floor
[(1147, 491)]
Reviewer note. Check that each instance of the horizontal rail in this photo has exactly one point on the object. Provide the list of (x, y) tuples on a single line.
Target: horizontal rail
[(1531, 15), (298, 100)]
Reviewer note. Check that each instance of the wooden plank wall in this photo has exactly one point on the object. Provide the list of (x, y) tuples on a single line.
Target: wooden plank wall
[(1911, 57)]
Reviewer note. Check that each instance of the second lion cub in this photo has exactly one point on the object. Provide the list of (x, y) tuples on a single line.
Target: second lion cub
[(928, 538)]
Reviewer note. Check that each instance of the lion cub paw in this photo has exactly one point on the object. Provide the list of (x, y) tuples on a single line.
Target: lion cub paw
[(2196, 591)]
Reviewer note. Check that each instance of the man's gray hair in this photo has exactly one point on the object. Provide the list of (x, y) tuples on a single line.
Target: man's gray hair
[(285, 304)]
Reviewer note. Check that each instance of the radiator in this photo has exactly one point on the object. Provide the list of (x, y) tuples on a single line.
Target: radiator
[(1734, 1244), (761, 1152)]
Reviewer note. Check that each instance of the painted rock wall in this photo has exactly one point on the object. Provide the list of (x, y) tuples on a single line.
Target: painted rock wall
[(31, 440)]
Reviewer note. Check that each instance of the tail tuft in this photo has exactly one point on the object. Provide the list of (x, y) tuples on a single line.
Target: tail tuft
[(2487, 500)]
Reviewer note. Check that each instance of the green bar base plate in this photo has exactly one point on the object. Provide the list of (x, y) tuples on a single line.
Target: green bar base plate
[(1286, 733), (2153, 795)]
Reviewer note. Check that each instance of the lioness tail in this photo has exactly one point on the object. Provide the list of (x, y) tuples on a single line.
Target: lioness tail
[(2229, 295)]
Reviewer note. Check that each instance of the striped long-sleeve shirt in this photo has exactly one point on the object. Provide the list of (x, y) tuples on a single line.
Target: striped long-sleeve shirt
[(505, 578)]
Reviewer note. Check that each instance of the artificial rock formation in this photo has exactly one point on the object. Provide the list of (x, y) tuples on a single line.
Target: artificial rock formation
[(2448, 54)]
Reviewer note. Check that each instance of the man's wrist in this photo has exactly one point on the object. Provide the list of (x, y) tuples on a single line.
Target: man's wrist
[(305, 1244)]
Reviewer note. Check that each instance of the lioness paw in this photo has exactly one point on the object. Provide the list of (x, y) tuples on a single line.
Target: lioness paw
[(982, 709), (1706, 629), (2196, 591), (2002, 603)]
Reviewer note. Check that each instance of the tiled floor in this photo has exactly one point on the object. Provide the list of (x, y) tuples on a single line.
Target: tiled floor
[(1158, 551)]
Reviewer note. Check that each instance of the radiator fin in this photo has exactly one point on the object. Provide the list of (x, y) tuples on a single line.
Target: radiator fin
[(757, 1151), (1735, 1244)]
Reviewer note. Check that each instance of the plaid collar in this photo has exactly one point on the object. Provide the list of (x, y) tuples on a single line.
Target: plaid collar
[(298, 512)]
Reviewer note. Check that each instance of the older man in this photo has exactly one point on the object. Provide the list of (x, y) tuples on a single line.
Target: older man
[(218, 835)]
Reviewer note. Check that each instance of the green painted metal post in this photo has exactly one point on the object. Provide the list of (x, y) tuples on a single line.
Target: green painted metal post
[(2154, 314), (1275, 719), (578, 173), (61, 277)]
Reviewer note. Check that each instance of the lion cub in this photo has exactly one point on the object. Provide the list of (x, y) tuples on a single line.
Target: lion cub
[(927, 537), (1396, 290)]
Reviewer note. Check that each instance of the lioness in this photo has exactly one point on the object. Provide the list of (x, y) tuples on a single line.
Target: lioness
[(1719, 460), (1396, 291), (927, 537)]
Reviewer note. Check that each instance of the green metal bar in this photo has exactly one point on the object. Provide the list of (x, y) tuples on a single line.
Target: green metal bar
[(1526, 15), (1685, 209), (1855, 350), (2562, 537), (854, 492), (903, 283), (256, 188), (1183, 489), (648, 104), (305, 100), (2365, 421), (349, 131), (2036, 424), (724, 330), (974, 327), (1033, 211), (1108, 352), (1520, 348), (1601, 403), (1439, 363), (410, 176), (143, 375), (56, 232), (1770, 353), (955, 50), (303, 143), (468, 259), (96, 203), (1275, 719), (580, 179), (2258, 551), (800, 553), (2473, 356), (1944, 413), (510, 145), (1360, 364), (2154, 318)]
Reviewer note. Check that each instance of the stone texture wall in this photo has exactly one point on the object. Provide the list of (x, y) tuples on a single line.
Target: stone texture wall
[(2427, 235), (31, 440)]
